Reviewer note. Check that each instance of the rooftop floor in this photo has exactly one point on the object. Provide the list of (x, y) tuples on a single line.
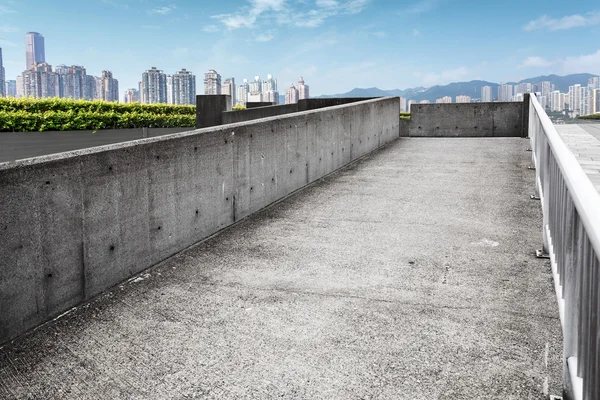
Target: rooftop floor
[(409, 274)]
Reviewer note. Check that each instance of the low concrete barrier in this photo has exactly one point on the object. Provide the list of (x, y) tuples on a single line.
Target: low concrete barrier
[(250, 114), (314, 104), (468, 120), (20, 145), (75, 224)]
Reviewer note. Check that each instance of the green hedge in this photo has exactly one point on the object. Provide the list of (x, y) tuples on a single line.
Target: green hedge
[(405, 115), (591, 116), (27, 115), (56, 104)]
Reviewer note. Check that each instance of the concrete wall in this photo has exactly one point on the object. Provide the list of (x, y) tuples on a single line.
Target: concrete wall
[(313, 104), (255, 104), (20, 145), (467, 120), (250, 114), (209, 109), (74, 224)]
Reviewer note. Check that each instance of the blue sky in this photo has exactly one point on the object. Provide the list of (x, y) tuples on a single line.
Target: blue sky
[(335, 44)]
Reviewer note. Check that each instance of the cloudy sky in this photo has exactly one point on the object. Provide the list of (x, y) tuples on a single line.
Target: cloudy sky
[(335, 44)]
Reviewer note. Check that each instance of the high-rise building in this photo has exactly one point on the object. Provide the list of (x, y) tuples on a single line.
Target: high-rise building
[(291, 95), (11, 88), (303, 92), (72, 81), (594, 83), (132, 96), (424, 102), (212, 82), (445, 99), (20, 86), (40, 81), (546, 88), (575, 98), (107, 87), (2, 77), (184, 87), (595, 106), (230, 89), (557, 101), (242, 93), (90, 88), (463, 99), (505, 93), (34, 49), (402, 104), (153, 87), (169, 89), (269, 90), (410, 103), (486, 94)]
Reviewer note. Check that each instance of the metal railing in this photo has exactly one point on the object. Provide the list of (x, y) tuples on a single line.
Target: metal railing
[(571, 236)]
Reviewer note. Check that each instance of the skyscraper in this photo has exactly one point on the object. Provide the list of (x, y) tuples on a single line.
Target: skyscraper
[(35, 52), (153, 87), (302, 89), (20, 86), (169, 89), (132, 96), (2, 77), (72, 79), (184, 87), (90, 88), (11, 88), (594, 83), (107, 87), (505, 92), (40, 81), (212, 82), (463, 99), (242, 93), (229, 88), (269, 90), (486, 94), (595, 106), (291, 95)]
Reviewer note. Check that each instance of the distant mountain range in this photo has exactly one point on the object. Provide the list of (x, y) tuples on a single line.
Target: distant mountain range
[(472, 88)]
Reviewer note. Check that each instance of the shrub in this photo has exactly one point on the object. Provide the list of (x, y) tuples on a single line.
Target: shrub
[(238, 107), (591, 116), (405, 115), (26, 114)]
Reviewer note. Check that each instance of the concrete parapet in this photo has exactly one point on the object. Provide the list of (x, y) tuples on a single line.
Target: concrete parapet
[(209, 109), (313, 104), (467, 120), (20, 145), (258, 112), (255, 104), (74, 224)]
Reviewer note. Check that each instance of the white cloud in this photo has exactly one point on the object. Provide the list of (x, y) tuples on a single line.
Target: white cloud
[(8, 29), (7, 43), (535, 61), (265, 37), (284, 12), (445, 77), (162, 10), (6, 10), (567, 22), (420, 7), (568, 65), (210, 28)]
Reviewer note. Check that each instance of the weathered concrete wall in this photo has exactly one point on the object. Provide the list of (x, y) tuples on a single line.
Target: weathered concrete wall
[(467, 120), (209, 109), (313, 104), (255, 104), (20, 145), (74, 224), (404, 127), (250, 114)]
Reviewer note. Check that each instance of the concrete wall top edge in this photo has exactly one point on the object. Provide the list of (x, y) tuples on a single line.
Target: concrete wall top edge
[(216, 129)]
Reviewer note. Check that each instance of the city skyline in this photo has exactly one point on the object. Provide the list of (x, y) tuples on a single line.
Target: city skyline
[(334, 44)]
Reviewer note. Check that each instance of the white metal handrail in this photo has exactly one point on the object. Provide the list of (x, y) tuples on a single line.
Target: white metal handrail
[(571, 236)]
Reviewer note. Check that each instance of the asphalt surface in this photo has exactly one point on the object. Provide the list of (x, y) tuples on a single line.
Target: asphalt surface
[(409, 274)]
